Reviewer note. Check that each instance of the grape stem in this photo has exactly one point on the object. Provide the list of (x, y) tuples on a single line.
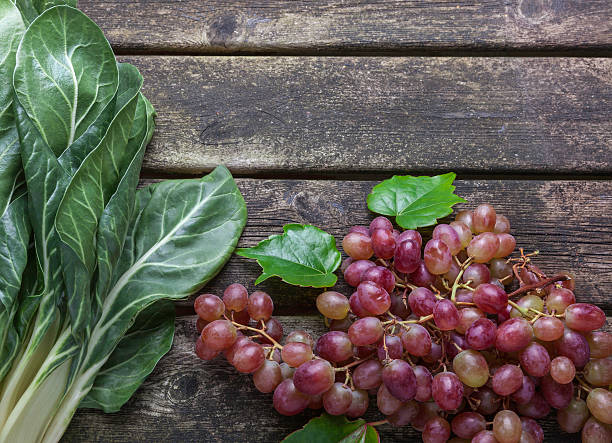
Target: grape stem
[(540, 284), (240, 327), (464, 266), (354, 363)]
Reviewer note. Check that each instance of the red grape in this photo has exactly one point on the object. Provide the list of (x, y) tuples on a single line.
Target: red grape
[(445, 315), (599, 402), (296, 353), (314, 377), (355, 271), (368, 375), (204, 352), (387, 403), (535, 360), (399, 379), (332, 304), (235, 297), (436, 430), (573, 417), (359, 403), (448, 235), (548, 328), (209, 307), (394, 348), (598, 372), (337, 399), (383, 243), (268, 377), (484, 218), (481, 334), (573, 346), (507, 243), (556, 394), (407, 256), (358, 246), (381, 276), (381, 223), (288, 400), (248, 358), (507, 427), (507, 380), (422, 277), (416, 340), (490, 298), (502, 224), (410, 234), (373, 297), (260, 306), (365, 331), (483, 247), (477, 273), (219, 335), (600, 344), (422, 301), (562, 370), (447, 390), (525, 393), (437, 257), (513, 335), (334, 346), (468, 424), (584, 317)]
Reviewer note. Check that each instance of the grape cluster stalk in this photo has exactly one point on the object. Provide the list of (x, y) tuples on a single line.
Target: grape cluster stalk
[(434, 335)]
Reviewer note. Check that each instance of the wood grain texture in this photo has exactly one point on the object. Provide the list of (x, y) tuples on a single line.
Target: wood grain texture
[(363, 115), (289, 26), (567, 221), (188, 400)]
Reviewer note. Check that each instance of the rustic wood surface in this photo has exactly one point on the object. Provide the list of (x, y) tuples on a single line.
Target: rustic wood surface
[(188, 400), (356, 115), (340, 26), (515, 96)]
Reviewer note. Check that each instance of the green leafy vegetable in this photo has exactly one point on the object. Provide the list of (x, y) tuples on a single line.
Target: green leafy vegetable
[(414, 201), (333, 429), (303, 255), (133, 359), (11, 30), (86, 310)]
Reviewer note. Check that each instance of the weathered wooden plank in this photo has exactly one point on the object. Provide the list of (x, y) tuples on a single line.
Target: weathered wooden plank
[(288, 26), (187, 400), (312, 115), (567, 221)]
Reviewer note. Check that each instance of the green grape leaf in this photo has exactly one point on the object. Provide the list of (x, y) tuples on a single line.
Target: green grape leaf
[(334, 429), (303, 255), (414, 201)]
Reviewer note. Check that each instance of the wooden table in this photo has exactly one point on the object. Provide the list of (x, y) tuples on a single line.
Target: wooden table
[(311, 103)]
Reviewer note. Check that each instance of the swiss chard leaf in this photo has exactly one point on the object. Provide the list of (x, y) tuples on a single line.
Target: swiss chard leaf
[(334, 429), (303, 255), (14, 239), (114, 222), (86, 196), (183, 233), (414, 201), (66, 55), (149, 338), (30, 9), (11, 30)]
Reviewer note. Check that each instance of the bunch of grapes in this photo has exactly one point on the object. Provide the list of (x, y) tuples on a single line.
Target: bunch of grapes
[(435, 335)]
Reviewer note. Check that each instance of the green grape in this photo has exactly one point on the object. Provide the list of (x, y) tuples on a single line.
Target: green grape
[(471, 368)]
